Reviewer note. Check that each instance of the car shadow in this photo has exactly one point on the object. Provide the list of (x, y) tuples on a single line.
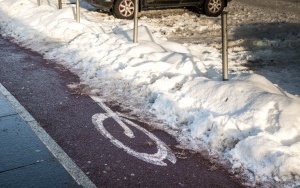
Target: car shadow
[(272, 50)]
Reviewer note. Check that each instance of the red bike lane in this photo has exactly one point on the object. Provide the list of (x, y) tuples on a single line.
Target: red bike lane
[(93, 141)]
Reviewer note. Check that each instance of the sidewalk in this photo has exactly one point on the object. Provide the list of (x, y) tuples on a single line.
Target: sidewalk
[(24, 159)]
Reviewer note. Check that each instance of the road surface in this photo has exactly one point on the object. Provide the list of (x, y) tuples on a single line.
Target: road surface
[(284, 6)]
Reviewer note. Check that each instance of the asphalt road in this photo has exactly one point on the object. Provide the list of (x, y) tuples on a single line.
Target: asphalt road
[(41, 87), (283, 6)]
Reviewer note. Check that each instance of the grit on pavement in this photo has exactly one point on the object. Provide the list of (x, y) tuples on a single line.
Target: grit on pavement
[(41, 87)]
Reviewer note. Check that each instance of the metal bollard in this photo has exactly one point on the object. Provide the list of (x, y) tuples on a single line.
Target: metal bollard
[(78, 11), (136, 9), (224, 46), (59, 4)]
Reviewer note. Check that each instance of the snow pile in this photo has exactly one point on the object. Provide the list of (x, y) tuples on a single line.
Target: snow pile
[(247, 121)]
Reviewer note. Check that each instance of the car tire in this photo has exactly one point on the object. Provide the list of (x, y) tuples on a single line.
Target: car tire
[(124, 9), (213, 8)]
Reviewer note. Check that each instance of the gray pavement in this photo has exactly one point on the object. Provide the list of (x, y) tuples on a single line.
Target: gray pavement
[(24, 160)]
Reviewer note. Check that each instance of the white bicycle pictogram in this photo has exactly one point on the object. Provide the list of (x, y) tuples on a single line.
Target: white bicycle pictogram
[(163, 151)]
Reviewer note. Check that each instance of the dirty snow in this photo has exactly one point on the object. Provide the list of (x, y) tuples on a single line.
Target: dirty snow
[(172, 77)]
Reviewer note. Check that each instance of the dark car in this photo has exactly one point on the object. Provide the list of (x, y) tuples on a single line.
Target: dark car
[(124, 9)]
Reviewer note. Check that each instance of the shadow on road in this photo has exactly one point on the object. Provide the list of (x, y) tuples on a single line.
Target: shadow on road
[(273, 50)]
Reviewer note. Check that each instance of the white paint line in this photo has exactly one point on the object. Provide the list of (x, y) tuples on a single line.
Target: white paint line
[(163, 151), (78, 175), (113, 115)]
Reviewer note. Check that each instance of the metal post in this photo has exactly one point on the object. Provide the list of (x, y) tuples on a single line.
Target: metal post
[(136, 9), (224, 46), (59, 4), (77, 11), (41, 2)]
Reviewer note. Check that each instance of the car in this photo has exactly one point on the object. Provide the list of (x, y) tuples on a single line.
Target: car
[(124, 9)]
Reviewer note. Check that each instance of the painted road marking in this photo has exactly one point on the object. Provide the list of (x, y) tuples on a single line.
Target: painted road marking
[(54, 148), (163, 151)]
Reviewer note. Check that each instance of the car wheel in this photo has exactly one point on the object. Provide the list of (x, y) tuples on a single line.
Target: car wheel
[(124, 9), (213, 7)]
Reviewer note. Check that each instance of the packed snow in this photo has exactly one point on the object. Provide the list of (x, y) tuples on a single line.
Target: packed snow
[(249, 123)]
